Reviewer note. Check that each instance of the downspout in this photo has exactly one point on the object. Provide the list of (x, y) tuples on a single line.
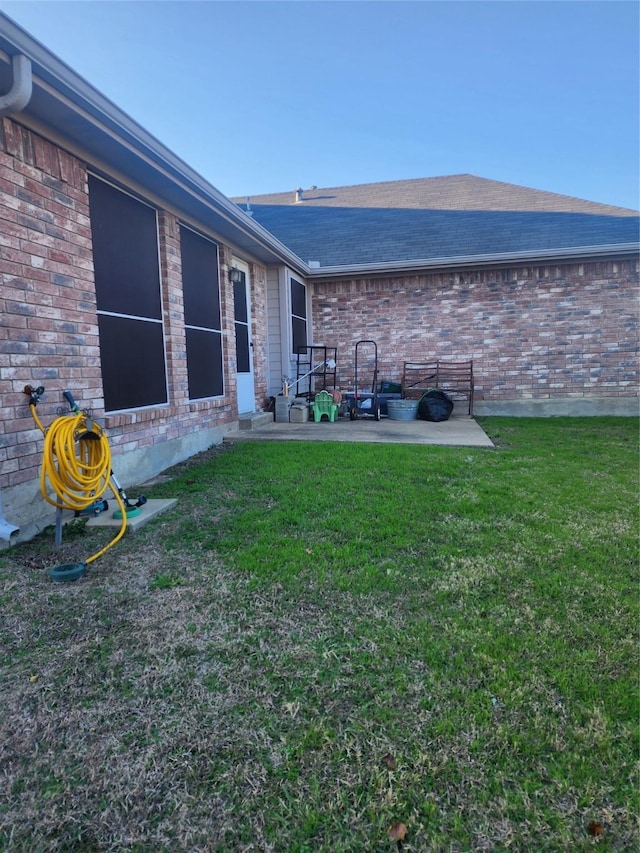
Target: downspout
[(14, 101), (6, 528), (19, 95)]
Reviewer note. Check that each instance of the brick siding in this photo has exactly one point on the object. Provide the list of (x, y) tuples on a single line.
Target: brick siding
[(49, 330), (258, 285), (567, 330)]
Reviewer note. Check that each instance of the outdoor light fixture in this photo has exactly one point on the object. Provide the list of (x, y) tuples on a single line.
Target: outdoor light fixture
[(235, 275)]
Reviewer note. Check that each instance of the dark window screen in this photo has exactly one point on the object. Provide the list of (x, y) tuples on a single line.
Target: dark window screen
[(204, 363), (127, 275), (200, 283), (125, 252), (299, 335), (240, 300), (201, 287), (132, 354), (298, 315), (242, 348), (241, 325), (298, 299)]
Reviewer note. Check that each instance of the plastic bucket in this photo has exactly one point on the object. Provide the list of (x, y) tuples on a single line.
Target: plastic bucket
[(402, 410)]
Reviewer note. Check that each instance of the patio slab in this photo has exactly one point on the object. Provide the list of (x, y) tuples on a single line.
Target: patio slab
[(459, 430)]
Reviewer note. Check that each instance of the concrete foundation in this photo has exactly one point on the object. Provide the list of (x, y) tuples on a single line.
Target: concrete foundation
[(574, 407)]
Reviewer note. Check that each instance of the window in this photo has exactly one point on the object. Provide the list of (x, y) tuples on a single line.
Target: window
[(127, 276), (241, 324), (298, 316), (201, 289)]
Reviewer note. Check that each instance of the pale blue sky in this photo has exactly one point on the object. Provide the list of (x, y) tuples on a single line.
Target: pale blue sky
[(267, 96)]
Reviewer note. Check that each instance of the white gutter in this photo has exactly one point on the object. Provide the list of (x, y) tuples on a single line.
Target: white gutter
[(19, 95), (465, 261)]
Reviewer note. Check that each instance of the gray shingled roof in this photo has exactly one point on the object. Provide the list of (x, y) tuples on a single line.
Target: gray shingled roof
[(429, 218)]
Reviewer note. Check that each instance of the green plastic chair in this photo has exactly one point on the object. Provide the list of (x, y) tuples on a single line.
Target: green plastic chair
[(323, 405)]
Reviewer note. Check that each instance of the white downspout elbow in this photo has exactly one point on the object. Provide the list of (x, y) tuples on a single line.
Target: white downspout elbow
[(6, 528), (19, 95)]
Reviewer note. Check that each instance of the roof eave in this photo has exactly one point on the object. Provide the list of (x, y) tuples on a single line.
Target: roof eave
[(501, 259)]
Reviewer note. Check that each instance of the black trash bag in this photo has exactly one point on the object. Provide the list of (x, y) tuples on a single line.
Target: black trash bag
[(435, 405)]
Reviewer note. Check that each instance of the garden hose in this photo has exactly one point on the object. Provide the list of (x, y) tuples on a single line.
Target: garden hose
[(76, 466)]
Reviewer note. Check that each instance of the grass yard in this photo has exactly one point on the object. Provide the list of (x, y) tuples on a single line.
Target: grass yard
[(330, 647)]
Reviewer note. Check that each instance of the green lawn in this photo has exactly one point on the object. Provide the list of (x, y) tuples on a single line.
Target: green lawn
[(323, 640)]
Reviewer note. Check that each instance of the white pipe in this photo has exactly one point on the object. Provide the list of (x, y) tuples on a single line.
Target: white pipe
[(19, 95)]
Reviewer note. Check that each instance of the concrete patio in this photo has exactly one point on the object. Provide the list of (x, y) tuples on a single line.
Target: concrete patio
[(460, 430)]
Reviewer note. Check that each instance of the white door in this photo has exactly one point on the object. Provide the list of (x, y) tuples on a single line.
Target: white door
[(244, 344)]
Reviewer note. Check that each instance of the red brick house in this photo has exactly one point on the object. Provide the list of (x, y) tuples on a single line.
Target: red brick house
[(539, 289), (170, 310)]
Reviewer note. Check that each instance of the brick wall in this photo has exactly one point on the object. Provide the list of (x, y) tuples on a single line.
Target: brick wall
[(49, 331), (549, 332), (258, 284)]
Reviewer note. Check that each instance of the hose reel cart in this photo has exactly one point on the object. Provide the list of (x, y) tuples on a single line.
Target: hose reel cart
[(76, 472)]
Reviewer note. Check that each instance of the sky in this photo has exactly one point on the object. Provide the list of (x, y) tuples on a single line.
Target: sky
[(264, 96)]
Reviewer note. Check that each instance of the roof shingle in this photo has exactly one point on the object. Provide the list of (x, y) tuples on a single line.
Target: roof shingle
[(430, 218)]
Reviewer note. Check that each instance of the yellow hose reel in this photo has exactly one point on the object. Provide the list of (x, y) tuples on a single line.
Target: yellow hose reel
[(76, 470)]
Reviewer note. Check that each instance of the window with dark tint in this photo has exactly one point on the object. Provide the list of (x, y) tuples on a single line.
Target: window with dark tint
[(127, 274), (241, 324), (133, 346), (204, 363), (298, 315), (201, 288)]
